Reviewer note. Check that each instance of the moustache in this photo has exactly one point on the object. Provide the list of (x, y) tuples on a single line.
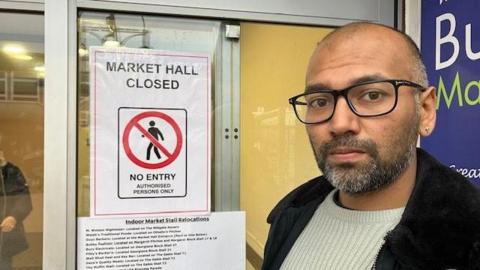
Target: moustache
[(349, 141)]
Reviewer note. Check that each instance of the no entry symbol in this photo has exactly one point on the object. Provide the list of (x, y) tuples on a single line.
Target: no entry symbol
[(134, 123)]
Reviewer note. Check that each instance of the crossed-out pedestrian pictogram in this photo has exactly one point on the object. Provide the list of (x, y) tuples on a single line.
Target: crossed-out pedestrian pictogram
[(135, 123)]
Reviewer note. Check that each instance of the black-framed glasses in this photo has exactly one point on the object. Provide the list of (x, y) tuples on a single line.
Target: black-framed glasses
[(368, 99)]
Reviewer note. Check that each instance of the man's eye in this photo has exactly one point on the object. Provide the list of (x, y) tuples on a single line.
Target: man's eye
[(318, 103), (372, 95)]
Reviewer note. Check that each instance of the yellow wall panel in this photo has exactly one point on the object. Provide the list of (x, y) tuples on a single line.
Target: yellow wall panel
[(275, 152)]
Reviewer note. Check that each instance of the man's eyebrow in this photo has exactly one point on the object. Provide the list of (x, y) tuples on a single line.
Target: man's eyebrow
[(315, 87), (368, 78), (364, 79)]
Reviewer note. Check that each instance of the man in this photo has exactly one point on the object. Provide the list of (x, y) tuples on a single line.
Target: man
[(155, 133), (15, 205), (382, 203)]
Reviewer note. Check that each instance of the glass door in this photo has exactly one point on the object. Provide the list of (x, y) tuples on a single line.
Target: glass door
[(131, 128), (21, 140)]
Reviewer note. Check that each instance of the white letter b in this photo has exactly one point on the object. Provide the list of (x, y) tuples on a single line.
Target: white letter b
[(448, 38)]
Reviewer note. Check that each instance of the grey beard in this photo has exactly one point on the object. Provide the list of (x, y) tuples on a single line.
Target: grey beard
[(372, 176)]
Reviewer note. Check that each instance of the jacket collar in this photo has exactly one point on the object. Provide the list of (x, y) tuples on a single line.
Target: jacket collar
[(440, 227)]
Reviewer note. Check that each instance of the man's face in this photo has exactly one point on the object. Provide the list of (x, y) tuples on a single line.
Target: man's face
[(356, 154)]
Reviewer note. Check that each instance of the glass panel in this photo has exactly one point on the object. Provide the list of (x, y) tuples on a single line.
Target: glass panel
[(132, 31), (21, 140), (276, 156)]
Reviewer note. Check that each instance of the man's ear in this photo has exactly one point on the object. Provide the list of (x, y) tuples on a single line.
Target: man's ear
[(428, 111)]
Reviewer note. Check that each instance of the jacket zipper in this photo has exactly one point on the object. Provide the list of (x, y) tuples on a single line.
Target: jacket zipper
[(374, 266)]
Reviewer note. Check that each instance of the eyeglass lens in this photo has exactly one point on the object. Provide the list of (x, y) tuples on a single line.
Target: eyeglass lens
[(365, 100)]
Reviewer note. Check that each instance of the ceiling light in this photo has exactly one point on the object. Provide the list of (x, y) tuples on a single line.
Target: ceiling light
[(111, 44), (13, 49), (110, 41), (82, 52), (25, 57), (39, 68)]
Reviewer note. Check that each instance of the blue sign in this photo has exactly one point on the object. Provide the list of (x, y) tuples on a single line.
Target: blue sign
[(450, 44)]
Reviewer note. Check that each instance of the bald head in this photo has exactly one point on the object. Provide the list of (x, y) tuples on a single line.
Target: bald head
[(359, 33)]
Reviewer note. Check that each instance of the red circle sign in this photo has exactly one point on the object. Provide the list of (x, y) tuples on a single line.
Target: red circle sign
[(134, 122)]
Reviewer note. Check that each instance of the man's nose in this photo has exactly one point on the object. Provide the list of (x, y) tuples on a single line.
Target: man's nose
[(343, 120)]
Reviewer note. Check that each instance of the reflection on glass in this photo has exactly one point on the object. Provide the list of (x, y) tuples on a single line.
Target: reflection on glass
[(132, 31), (21, 140), (15, 205)]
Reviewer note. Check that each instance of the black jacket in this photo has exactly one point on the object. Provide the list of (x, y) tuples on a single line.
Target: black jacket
[(439, 229), (14, 201)]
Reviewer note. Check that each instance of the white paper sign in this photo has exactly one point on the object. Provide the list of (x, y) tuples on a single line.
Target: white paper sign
[(149, 132), (215, 241)]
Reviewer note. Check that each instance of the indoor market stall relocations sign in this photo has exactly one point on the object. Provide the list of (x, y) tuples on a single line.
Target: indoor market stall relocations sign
[(451, 50), (149, 132)]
